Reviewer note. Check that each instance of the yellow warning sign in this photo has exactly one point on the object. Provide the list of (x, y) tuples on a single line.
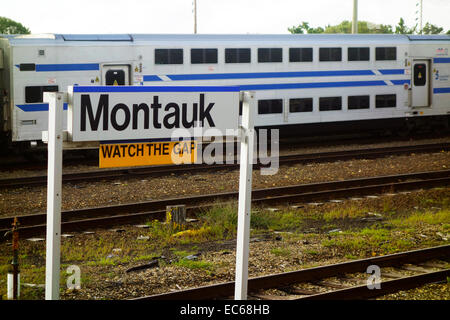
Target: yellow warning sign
[(147, 153)]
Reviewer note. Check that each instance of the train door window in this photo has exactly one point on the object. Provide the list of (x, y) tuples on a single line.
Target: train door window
[(300, 54), (358, 54), (199, 56), (330, 54), (27, 67), (420, 74), (301, 105), (35, 94), (115, 77), (270, 55), (168, 56), (237, 55), (330, 103), (386, 101), (386, 53), (358, 102), (270, 106)]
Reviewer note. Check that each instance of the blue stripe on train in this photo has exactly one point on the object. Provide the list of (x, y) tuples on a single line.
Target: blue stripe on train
[(36, 107), (259, 75), (262, 75), (312, 85), (441, 90), (66, 67), (441, 60)]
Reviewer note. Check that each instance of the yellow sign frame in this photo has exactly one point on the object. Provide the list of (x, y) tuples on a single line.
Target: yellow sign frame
[(147, 153)]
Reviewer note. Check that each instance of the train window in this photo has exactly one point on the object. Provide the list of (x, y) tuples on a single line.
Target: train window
[(330, 54), (235, 55), (27, 67), (358, 102), (168, 56), (386, 101), (270, 106), (330, 103), (420, 74), (115, 77), (35, 94), (358, 54), (270, 55), (203, 56), (301, 105), (386, 53), (300, 54)]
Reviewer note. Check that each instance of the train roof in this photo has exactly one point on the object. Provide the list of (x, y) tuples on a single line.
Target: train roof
[(74, 39)]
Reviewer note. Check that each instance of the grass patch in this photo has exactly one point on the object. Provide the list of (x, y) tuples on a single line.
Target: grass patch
[(345, 213), (283, 252), (420, 218), (369, 241), (195, 264)]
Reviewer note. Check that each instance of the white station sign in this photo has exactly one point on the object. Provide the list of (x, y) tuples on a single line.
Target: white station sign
[(149, 112)]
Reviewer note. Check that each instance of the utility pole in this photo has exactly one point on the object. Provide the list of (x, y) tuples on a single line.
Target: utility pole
[(420, 12), (355, 17), (195, 16)]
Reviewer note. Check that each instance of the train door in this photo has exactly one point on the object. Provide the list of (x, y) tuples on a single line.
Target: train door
[(116, 75), (420, 83)]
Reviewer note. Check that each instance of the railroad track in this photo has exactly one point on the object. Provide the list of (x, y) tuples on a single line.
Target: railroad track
[(110, 174), (347, 280), (101, 217)]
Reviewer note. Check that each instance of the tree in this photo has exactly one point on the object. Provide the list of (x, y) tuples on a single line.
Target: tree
[(343, 27), (304, 28), (8, 26), (432, 29), (402, 28), (367, 27)]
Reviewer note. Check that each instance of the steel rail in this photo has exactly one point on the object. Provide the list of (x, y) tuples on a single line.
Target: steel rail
[(157, 171), (387, 287), (223, 290), (128, 213)]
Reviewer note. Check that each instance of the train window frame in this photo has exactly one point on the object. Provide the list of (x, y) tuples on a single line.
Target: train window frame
[(27, 67), (358, 103), (167, 56), (269, 107), (35, 94), (420, 82), (270, 55), (330, 54), (205, 55), (386, 53), (241, 55), (324, 106), (385, 100), (357, 54), (302, 57), (309, 107), (119, 77)]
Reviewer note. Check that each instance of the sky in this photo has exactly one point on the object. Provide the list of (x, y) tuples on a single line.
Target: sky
[(213, 16)]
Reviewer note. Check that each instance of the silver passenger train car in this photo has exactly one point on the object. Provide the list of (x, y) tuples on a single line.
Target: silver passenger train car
[(305, 83)]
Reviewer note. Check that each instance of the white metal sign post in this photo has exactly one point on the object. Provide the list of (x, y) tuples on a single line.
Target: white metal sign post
[(53, 239), (128, 112), (245, 198)]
